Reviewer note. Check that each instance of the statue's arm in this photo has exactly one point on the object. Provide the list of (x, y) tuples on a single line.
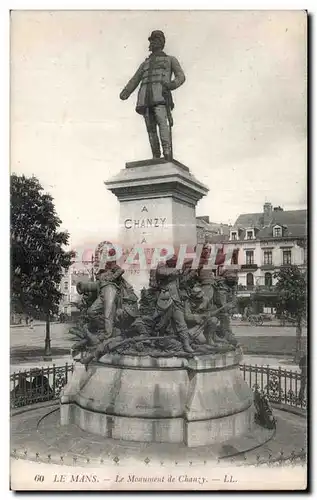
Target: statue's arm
[(179, 75), (193, 319), (117, 272), (163, 270), (132, 84)]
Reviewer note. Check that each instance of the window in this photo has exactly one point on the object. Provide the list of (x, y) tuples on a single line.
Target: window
[(268, 279), (267, 256), (234, 258), (287, 257), (249, 235), (65, 285), (234, 235), (277, 232), (250, 280), (249, 257)]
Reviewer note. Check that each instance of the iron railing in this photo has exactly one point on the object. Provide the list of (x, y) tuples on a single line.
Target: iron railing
[(38, 384), (281, 386), (45, 384)]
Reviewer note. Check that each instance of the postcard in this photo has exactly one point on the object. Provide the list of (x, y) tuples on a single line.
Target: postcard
[(158, 228)]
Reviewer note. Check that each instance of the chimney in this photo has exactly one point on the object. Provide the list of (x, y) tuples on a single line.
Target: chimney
[(267, 212)]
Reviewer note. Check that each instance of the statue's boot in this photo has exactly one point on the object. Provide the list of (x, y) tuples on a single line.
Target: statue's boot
[(108, 328), (155, 145), (187, 347), (185, 341), (168, 155), (87, 359)]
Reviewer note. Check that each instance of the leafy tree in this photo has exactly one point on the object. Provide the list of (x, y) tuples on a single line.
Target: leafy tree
[(38, 257), (291, 290)]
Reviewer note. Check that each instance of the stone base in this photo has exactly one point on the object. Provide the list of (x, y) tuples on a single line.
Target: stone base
[(157, 210), (198, 401)]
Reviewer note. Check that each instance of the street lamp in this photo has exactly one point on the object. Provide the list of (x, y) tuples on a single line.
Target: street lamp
[(47, 349)]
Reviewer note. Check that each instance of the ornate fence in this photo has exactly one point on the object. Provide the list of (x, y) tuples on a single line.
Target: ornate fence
[(38, 384), (281, 386), (45, 384)]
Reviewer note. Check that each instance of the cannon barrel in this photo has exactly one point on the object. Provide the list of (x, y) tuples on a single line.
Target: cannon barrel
[(87, 287)]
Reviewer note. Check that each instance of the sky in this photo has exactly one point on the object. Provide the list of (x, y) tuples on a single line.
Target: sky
[(240, 117)]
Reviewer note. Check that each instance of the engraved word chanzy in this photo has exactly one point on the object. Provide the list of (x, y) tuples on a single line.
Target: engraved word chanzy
[(145, 223)]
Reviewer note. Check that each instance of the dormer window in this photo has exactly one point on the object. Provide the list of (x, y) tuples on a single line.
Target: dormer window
[(277, 231), (233, 235), (249, 234)]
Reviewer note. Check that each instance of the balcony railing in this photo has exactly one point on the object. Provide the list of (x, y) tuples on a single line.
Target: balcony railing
[(265, 267), (249, 266)]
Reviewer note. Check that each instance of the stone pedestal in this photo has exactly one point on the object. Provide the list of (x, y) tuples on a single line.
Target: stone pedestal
[(157, 209), (198, 401)]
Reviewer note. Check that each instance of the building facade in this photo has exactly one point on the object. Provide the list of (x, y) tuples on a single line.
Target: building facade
[(68, 288), (207, 230), (259, 244)]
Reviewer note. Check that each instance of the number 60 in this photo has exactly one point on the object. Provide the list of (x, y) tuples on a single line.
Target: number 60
[(39, 478)]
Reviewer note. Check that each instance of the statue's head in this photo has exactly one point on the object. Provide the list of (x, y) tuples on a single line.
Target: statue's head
[(171, 261), (105, 252), (205, 253), (230, 277), (157, 41), (197, 293)]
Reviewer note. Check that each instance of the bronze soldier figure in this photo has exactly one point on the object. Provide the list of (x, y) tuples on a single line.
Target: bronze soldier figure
[(169, 305), (154, 98)]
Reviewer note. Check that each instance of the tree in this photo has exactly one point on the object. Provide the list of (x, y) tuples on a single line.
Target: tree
[(291, 289), (38, 257)]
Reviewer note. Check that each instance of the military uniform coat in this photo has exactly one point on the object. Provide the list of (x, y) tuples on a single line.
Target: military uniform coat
[(155, 79)]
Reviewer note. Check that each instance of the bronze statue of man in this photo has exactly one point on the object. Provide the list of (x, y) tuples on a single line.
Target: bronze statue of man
[(154, 98)]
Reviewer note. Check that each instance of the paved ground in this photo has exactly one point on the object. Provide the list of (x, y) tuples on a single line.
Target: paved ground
[(285, 362), (27, 345), (23, 335), (51, 441)]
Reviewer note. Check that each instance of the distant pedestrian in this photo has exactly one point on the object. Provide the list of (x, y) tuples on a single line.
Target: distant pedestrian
[(26, 320), (31, 323)]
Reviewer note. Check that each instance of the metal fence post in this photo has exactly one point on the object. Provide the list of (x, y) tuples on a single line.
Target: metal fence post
[(242, 368), (54, 380), (279, 384)]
